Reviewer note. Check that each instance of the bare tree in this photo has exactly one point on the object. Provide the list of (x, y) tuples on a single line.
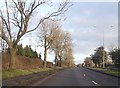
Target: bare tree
[(48, 35), (56, 46), (62, 48), (15, 18), (68, 50), (88, 62)]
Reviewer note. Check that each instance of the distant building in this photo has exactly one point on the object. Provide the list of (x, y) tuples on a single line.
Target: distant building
[(109, 61)]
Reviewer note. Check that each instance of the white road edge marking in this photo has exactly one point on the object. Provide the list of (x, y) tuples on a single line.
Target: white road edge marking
[(95, 83)]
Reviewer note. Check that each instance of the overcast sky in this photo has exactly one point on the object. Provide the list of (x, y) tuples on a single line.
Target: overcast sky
[(86, 21)]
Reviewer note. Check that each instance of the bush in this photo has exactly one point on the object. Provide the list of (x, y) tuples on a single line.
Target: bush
[(27, 51), (20, 51)]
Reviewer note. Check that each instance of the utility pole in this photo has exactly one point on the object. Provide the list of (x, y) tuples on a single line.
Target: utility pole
[(103, 51), (103, 57)]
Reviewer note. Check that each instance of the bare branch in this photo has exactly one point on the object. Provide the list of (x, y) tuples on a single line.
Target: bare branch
[(3, 36), (7, 12), (63, 8)]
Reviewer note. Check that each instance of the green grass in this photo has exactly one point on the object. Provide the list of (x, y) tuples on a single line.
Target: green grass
[(108, 71), (18, 72)]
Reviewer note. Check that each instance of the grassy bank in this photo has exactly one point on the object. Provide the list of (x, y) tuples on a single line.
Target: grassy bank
[(108, 71), (18, 72)]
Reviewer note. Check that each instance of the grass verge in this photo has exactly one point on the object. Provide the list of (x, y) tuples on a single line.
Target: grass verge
[(108, 71), (18, 72)]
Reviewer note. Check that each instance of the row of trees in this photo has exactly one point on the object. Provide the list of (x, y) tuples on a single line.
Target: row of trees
[(15, 19), (56, 40), (96, 59)]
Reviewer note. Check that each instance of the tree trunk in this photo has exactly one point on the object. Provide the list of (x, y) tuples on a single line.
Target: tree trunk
[(56, 58), (60, 61), (12, 58), (45, 58)]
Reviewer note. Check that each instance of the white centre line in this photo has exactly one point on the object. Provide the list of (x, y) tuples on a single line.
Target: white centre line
[(95, 83), (84, 75)]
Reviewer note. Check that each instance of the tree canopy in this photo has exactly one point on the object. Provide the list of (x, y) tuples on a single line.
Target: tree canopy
[(97, 57), (115, 54)]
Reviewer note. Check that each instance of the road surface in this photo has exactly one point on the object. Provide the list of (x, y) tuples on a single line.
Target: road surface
[(78, 76)]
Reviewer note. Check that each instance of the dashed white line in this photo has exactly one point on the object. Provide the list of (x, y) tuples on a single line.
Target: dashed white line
[(95, 83), (84, 75)]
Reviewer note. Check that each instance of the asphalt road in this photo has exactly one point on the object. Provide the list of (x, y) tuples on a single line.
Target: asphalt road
[(78, 76)]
